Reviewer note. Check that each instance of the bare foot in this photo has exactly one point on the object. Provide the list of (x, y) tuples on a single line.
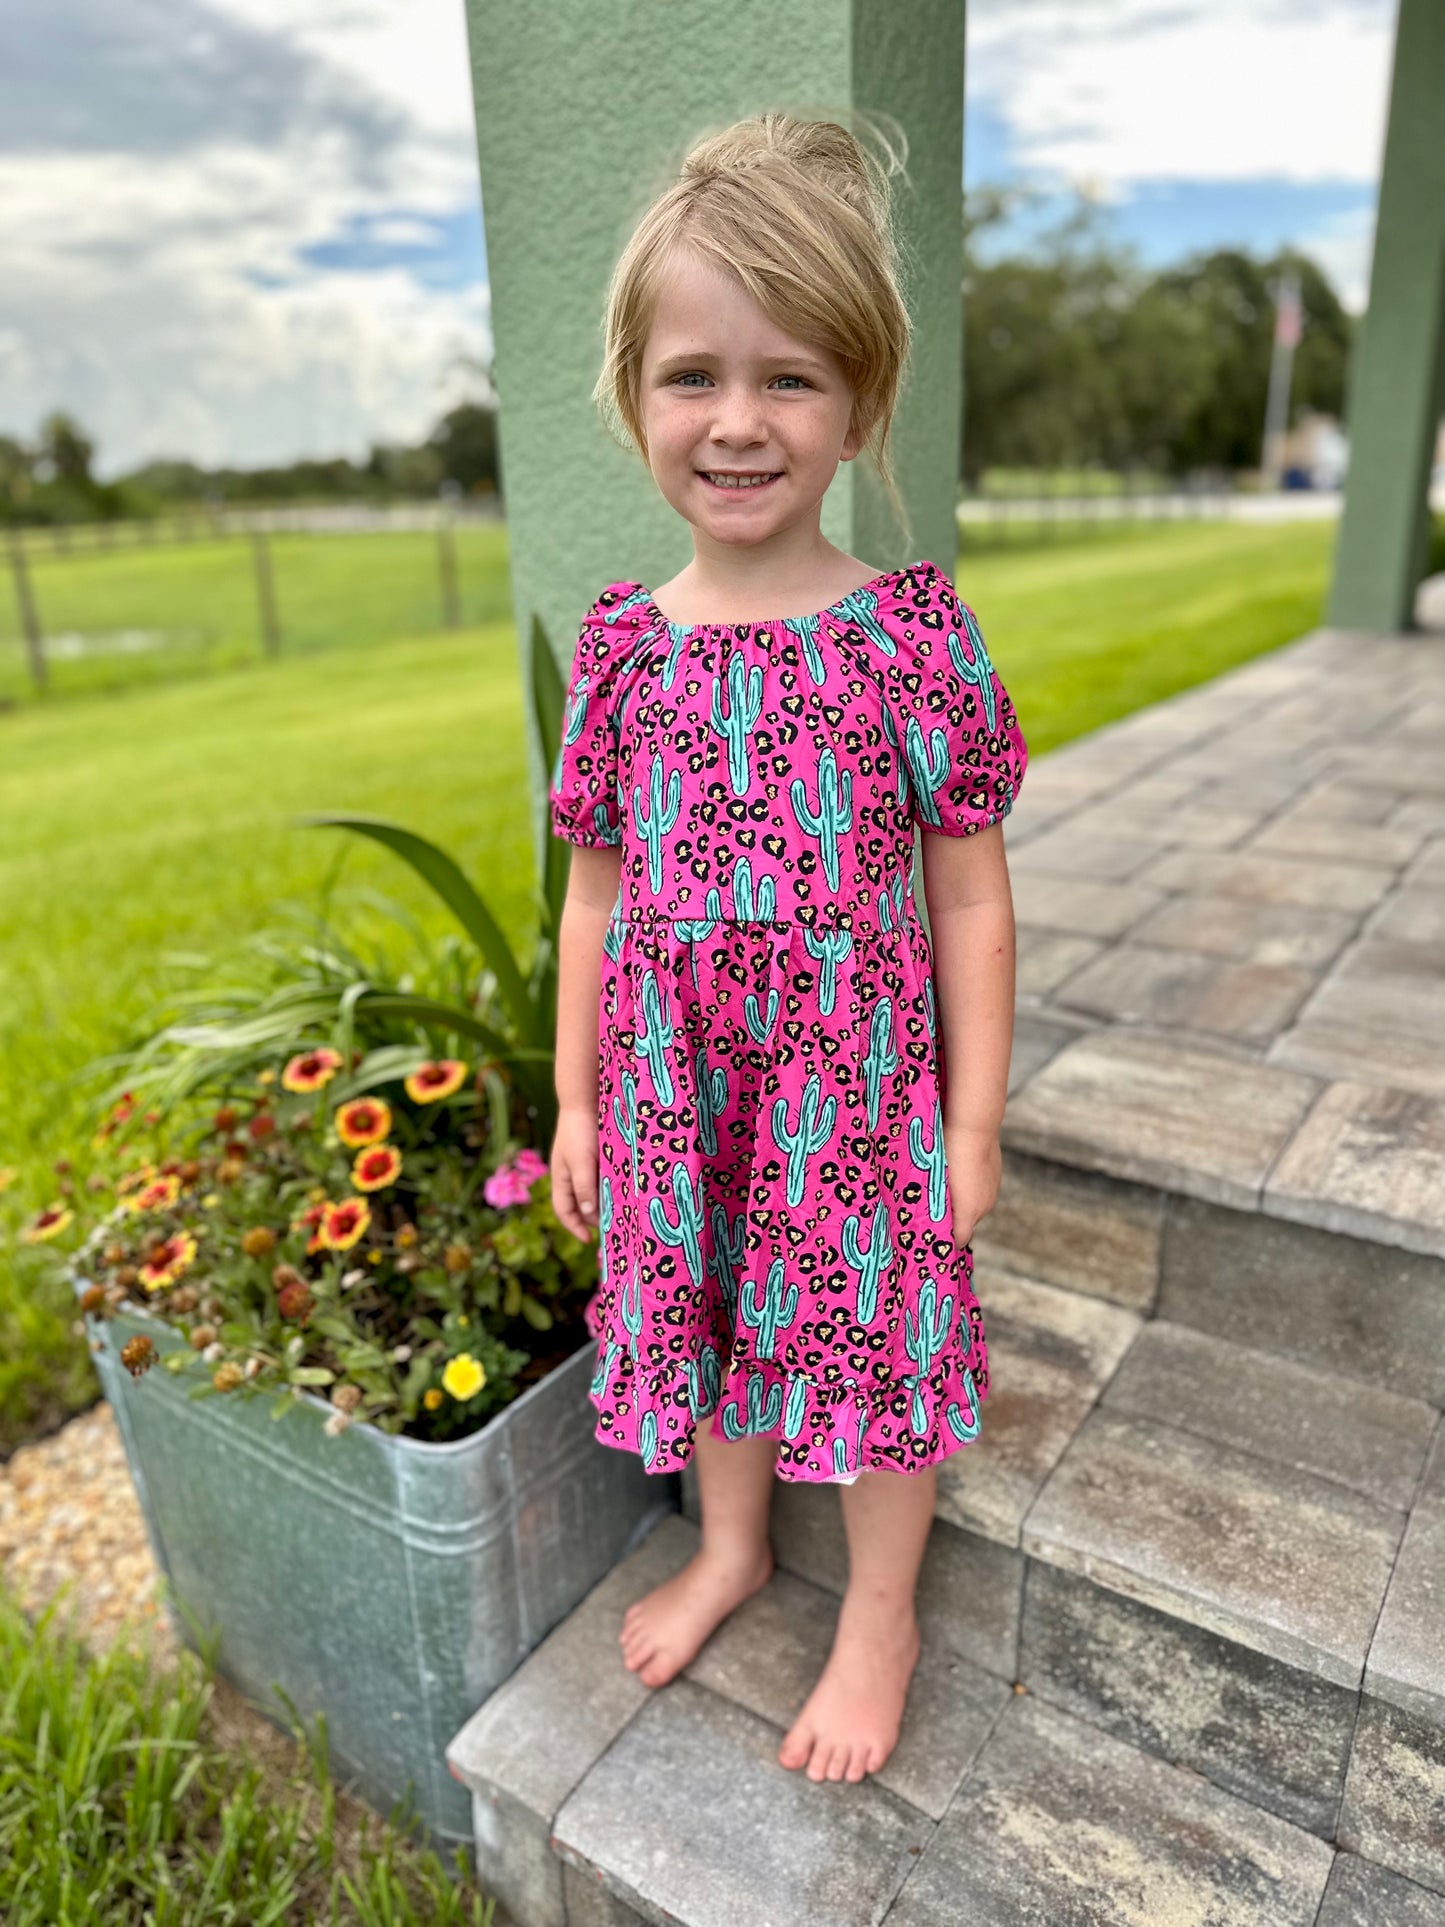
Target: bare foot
[(849, 1724), (663, 1630)]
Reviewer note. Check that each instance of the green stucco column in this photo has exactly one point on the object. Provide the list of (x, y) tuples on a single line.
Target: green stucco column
[(1397, 377), (584, 109)]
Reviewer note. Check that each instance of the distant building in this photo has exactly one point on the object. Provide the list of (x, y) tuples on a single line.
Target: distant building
[(1315, 452)]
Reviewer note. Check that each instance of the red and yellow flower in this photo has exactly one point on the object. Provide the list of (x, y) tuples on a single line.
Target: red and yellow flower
[(434, 1081), (168, 1260), (365, 1120), (47, 1223), (342, 1225), (376, 1168), (161, 1191), (310, 1069), (310, 1220)]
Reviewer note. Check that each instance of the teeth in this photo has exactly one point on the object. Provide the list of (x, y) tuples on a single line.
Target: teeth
[(739, 481)]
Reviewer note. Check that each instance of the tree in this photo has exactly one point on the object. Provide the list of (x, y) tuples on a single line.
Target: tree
[(66, 451), (1225, 301), (465, 443), (1074, 355)]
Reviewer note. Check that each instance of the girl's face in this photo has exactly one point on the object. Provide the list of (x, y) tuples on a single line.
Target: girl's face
[(726, 391)]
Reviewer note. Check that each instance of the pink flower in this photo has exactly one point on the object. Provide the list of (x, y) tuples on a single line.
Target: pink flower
[(530, 1163), (506, 1186)]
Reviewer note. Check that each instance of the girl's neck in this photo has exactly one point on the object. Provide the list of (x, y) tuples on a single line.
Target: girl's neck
[(737, 585)]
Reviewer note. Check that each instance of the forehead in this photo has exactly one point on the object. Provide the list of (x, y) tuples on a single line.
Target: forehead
[(699, 310)]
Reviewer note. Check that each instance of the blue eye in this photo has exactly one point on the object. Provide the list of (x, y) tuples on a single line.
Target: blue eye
[(688, 374)]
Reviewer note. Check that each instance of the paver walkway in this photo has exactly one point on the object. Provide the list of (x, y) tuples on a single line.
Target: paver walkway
[(1231, 913)]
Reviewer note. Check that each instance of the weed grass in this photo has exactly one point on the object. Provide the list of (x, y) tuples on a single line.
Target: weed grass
[(119, 1803)]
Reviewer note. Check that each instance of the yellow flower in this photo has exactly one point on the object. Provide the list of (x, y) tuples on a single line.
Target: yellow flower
[(8, 1175), (431, 1399), (463, 1377), (462, 1318)]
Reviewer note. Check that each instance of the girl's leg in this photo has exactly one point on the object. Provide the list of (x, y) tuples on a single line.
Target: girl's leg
[(665, 1629), (850, 1722)]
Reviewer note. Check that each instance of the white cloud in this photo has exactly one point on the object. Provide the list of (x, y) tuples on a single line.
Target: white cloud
[(1119, 91), (157, 286)]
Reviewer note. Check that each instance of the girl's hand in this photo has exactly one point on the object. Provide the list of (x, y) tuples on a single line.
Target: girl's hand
[(574, 1172), (975, 1170)]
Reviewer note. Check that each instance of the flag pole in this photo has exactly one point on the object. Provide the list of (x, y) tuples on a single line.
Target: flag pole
[(1287, 324)]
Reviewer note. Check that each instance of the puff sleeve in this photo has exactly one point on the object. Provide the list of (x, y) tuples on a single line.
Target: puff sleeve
[(962, 754), (583, 793)]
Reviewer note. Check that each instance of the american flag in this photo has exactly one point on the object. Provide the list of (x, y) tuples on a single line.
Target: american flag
[(1288, 314)]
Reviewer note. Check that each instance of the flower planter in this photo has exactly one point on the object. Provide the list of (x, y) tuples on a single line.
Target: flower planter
[(389, 1583)]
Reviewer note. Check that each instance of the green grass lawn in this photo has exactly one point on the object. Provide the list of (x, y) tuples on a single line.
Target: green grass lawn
[(157, 820), (113, 618)]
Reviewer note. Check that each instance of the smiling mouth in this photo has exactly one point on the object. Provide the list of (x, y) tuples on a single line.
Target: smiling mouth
[(747, 482)]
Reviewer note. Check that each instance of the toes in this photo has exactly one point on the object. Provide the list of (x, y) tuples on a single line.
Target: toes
[(796, 1747), (857, 1765)]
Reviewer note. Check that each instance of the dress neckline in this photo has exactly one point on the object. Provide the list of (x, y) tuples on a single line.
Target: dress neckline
[(838, 608)]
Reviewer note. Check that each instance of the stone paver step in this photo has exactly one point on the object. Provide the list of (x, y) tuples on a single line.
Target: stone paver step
[(1200, 1546), (600, 1803)]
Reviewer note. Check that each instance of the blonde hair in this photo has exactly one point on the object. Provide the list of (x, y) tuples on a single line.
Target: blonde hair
[(799, 213)]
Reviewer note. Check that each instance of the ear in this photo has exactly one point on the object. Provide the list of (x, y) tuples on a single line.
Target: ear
[(852, 442)]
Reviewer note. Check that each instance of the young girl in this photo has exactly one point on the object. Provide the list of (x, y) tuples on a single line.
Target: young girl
[(785, 1123)]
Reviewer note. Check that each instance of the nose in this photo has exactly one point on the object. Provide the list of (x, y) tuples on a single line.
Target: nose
[(737, 417)]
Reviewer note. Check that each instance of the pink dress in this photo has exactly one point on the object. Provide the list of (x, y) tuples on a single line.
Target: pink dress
[(776, 1254)]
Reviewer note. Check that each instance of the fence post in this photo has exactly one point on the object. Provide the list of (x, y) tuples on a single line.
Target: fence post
[(447, 564), (265, 592), (29, 614)]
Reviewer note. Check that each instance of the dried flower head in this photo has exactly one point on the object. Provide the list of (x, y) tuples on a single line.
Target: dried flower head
[(259, 1241), (203, 1336), (294, 1300), (227, 1377), (92, 1298), (138, 1355), (184, 1299), (346, 1398)]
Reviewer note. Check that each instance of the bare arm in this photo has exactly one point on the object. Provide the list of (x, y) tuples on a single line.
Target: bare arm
[(591, 893), (970, 912)]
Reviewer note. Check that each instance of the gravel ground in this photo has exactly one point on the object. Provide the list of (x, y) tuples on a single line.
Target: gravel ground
[(68, 1511)]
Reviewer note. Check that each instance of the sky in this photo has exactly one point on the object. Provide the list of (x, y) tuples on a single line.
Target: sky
[(245, 231)]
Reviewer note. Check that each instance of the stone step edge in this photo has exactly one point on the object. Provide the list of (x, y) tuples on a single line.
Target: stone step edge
[(1310, 1099)]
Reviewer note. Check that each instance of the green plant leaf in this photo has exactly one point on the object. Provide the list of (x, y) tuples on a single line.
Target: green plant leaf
[(442, 873)]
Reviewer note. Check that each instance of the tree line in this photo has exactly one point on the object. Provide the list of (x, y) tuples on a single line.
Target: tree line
[(1075, 356)]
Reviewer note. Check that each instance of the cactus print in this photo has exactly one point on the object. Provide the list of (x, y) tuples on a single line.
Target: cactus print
[(775, 1253)]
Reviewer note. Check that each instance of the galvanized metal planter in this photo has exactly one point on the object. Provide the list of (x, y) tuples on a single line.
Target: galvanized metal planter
[(389, 1583)]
